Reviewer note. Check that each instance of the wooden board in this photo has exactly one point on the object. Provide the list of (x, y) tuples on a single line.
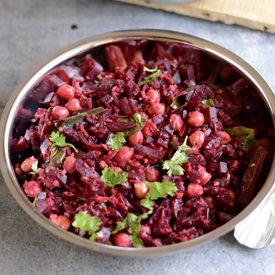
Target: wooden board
[(255, 14)]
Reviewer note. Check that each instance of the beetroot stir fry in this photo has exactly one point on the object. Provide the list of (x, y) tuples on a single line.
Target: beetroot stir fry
[(145, 144)]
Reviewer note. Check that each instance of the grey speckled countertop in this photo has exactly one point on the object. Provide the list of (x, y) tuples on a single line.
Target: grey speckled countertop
[(30, 31)]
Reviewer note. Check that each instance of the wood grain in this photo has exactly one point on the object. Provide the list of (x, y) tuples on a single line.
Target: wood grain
[(255, 14)]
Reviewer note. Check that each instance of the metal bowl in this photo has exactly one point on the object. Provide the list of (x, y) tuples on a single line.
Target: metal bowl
[(26, 95)]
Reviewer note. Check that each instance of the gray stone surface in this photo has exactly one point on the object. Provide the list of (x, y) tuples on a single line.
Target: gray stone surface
[(30, 31)]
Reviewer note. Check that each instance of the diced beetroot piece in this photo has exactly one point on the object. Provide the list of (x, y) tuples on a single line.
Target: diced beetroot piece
[(122, 199), (133, 107), (212, 141), (96, 186), (43, 205), (149, 153), (145, 234), (119, 126), (214, 153), (148, 140), (197, 159), (158, 119), (71, 135), (225, 200), (187, 72), (162, 139), (224, 217), (87, 64), (162, 52), (222, 167), (212, 117), (124, 105), (68, 208), (176, 205), (156, 215), (225, 118), (95, 70), (84, 170), (166, 128), (115, 58), (115, 215), (162, 228), (187, 234), (193, 175), (106, 100), (85, 102), (136, 175), (106, 235), (89, 145), (176, 77)]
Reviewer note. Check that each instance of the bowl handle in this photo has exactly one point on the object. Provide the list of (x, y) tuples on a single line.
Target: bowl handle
[(257, 229)]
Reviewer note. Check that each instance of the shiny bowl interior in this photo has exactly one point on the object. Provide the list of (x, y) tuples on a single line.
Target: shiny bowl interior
[(26, 95)]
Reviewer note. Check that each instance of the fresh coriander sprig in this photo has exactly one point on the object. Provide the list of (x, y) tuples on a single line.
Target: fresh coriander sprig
[(112, 178), (158, 190), (59, 140), (115, 141), (34, 168), (208, 102), (180, 157), (152, 77), (86, 223)]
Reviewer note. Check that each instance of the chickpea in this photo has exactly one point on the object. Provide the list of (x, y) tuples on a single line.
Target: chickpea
[(175, 122), (73, 105), (140, 189), (156, 108), (205, 176), (66, 91), (194, 190), (153, 95), (103, 164), (195, 119), (61, 221), (136, 138), (197, 139), (123, 240), (125, 153), (152, 174), (225, 137), (69, 164), (210, 202), (59, 112), (26, 165), (32, 188)]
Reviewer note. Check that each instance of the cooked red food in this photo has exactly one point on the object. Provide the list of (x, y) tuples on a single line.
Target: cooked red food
[(142, 144)]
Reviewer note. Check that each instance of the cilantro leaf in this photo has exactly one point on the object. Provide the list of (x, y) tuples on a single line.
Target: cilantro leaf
[(133, 222), (151, 77), (112, 178), (147, 203), (60, 141), (173, 165), (242, 131), (116, 140), (86, 223), (95, 235), (158, 190), (208, 102), (34, 168), (35, 199)]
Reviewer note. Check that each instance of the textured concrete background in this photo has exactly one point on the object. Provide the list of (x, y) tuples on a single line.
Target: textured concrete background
[(30, 31)]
